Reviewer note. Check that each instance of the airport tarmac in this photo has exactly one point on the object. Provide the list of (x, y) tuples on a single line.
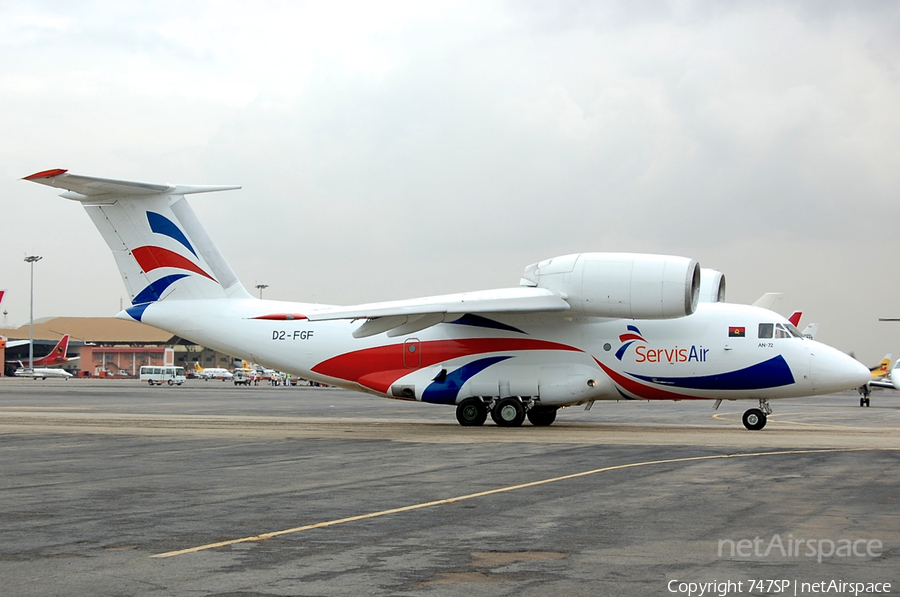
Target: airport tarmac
[(110, 487)]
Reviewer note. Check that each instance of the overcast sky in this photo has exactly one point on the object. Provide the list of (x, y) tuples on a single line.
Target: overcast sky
[(391, 150)]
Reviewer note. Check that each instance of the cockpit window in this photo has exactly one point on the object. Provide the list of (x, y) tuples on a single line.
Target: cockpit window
[(766, 330), (785, 331), (793, 330)]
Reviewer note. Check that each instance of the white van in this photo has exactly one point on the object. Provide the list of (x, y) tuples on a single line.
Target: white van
[(158, 375)]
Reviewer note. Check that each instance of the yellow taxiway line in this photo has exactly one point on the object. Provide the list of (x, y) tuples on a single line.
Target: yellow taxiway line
[(724, 417), (330, 523)]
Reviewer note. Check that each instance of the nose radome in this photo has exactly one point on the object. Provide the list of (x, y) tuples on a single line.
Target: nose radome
[(832, 371)]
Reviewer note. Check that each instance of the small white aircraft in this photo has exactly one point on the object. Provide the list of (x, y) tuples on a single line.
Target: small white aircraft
[(42, 372), (54, 358), (213, 373), (578, 328)]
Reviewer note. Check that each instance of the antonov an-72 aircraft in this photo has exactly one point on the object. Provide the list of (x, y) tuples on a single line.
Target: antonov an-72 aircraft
[(578, 328)]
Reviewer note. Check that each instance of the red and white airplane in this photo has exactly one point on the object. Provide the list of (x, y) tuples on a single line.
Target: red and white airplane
[(578, 328), (55, 357)]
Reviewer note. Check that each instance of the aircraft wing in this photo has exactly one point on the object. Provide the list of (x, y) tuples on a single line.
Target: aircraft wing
[(882, 383), (14, 343), (408, 316)]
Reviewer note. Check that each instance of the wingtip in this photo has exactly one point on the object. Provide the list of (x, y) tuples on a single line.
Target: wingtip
[(46, 174)]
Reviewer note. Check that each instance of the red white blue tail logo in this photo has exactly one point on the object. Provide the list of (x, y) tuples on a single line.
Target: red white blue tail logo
[(151, 258)]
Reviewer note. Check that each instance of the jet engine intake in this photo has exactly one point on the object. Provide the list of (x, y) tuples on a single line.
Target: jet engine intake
[(712, 286), (628, 285)]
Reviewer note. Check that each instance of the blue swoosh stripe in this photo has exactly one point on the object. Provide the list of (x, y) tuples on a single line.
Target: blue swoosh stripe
[(160, 224), (621, 351), (137, 311), (155, 289), (773, 373), (484, 322), (446, 391)]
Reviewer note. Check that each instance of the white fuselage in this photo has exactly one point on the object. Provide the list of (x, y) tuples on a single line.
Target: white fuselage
[(714, 353), (42, 373)]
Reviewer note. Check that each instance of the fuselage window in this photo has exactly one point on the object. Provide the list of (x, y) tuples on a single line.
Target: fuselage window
[(766, 330)]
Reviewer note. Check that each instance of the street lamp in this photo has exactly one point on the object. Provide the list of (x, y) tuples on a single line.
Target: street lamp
[(31, 259), (260, 287)]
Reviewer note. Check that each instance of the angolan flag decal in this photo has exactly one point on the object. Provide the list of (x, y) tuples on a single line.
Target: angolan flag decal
[(737, 332)]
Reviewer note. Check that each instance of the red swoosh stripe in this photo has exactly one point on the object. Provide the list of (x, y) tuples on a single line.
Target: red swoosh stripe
[(639, 389), (625, 337), (151, 258), (383, 365)]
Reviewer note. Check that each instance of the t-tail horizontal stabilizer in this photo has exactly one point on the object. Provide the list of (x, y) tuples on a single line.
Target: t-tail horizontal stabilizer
[(162, 250)]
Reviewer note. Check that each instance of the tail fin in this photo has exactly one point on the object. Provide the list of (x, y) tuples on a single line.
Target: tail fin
[(162, 250), (795, 318), (57, 356), (810, 331), (881, 369)]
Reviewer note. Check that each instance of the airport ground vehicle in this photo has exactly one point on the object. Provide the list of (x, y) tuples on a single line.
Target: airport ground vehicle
[(242, 377), (160, 375)]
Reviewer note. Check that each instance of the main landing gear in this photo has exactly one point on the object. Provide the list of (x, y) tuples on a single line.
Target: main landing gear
[(755, 419), (505, 412)]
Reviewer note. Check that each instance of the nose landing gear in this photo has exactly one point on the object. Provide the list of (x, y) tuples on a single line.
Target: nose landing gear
[(755, 419), (864, 395)]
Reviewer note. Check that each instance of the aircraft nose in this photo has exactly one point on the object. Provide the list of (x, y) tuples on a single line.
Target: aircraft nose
[(832, 371)]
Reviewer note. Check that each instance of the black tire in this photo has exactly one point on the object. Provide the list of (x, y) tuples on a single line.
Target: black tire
[(867, 402), (754, 419), (150, 381), (862, 402), (170, 382), (542, 416), (509, 412), (471, 412)]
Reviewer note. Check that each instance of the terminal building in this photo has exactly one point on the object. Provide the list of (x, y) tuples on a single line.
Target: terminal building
[(108, 347)]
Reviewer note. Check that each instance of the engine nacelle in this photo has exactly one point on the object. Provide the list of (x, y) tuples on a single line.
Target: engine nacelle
[(712, 286), (626, 285)]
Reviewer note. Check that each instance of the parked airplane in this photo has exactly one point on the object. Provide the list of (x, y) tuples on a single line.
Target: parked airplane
[(881, 376), (810, 331), (882, 368), (891, 380), (578, 328), (42, 372), (209, 373), (55, 357)]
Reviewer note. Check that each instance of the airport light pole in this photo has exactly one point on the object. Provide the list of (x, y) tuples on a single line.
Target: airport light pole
[(30, 260), (260, 288)]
